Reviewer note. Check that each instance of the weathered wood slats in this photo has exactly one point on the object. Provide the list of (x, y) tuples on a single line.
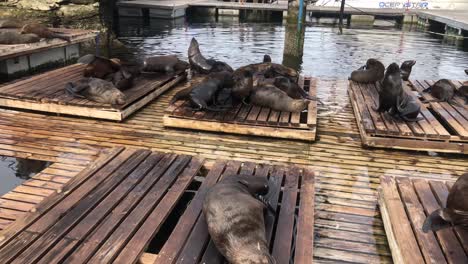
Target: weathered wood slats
[(249, 120), (38, 93), (109, 212), (429, 133), (405, 203)]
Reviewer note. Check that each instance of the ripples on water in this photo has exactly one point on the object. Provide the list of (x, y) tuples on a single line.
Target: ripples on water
[(326, 54)]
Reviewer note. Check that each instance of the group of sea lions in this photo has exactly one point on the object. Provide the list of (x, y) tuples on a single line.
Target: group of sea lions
[(393, 99), (16, 32), (263, 84), (444, 91)]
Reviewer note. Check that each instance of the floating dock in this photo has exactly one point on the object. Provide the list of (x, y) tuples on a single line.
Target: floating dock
[(348, 224), (16, 60)]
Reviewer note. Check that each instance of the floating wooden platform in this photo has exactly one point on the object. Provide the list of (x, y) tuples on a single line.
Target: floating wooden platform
[(404, 204), (249, 120), (76, 36), (111, 211), (45, 92), (381, 130)]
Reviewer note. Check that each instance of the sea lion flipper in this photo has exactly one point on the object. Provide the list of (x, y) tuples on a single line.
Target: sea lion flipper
[(86, 59), (427, 90), (74, 90), (435, 222)]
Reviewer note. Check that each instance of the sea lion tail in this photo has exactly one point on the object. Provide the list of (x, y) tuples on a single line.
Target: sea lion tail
[(86, 59)]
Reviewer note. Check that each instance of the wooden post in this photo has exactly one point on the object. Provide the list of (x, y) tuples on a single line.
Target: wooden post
[(294, 36), (341, 16)]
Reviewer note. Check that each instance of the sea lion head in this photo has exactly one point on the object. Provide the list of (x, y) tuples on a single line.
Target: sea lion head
[(194, 49), (408, 64), (266, 58), (115, 96), (466, 71), (392, 69), (299, 105), (371, 62), (254, 184)]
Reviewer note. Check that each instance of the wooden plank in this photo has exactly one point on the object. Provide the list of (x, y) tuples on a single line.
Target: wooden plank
[(305, 226), (253, 114), (263, 116), (360, 108), (427, 241), (312, 108), (402, 242), (448, 241)]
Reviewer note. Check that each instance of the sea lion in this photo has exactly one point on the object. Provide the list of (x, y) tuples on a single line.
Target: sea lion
[(122, 79), (455, 212), (11, 38), (266, 58), (291, 88), (269, 70), (205, 94), (372, 72), (42, 31), (97, 90), (272, 97), (235, 219), (393, 99), (99, 67), (463, 91), (466, 71), (444, 90), (406, 68), (202, 65), (166, 63), (10, 23), (243, 85)]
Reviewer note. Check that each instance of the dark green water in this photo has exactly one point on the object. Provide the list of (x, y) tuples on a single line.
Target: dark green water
[(14, 171)]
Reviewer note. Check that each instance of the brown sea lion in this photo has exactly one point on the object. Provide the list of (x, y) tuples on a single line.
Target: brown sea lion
[(455, 212), (166, 63), (97, 90), (204, 95), (235, 219), (202, 65), (11, 23), (443, 90), (11, 38), (372, 72), (99, 67), (243, 85), (122, 79), (291, 88), (269, 70), (406, 68), (272, 97), (42, 31), (393, 99)]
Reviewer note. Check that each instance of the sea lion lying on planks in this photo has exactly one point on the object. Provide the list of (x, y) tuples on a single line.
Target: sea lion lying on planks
[(393, 99), (122, 79), (266, 58), (406, 68), (97, 90), (269, 70), (444, 90), (10, 23), (205, 94), (99, 67), (202, 65), (235, 219), (166, 63), (456, 211), (42, 31), (12, 38), (272, 97), (243, 85), (292, 89), (372, 72)]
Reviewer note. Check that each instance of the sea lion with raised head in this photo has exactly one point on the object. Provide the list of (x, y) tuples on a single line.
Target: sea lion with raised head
[(166, 63), (406, 68), (443, 90), (96, 90), (372, 72), (455, 212), (204, 95), (42, 31), (202, 65), (12, 38), (99, 67), (272, 97), (266, 58), (235, 219)]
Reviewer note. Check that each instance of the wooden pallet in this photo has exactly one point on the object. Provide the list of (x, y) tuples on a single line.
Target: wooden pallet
[(75, 35), (381, 130), (45, 92), (111, 211), (404, 204), (249, 120)]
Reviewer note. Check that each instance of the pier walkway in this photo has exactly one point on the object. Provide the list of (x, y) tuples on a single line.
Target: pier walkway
[(453, 18), (348, 224)]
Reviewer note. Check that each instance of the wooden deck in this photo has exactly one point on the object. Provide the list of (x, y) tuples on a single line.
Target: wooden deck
[(38, 93), (111, 211), (404, 204), (248, 119), (348, 225), (431, 134), (76, 36)]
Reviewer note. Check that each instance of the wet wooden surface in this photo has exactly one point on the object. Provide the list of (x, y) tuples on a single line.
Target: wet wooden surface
[(348, 224)]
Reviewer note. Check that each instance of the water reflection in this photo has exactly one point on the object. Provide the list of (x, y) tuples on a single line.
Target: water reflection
[(326, 54), (14, 171)]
